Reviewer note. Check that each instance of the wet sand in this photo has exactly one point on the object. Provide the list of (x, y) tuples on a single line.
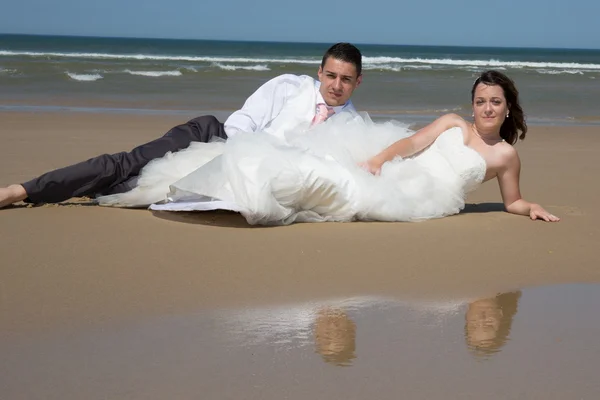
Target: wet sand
[(108, 303)]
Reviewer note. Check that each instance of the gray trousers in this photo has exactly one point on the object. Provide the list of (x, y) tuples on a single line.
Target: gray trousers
[(115, 173)]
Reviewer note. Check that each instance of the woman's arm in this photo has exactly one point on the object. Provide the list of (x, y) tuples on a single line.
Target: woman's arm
[(413, 144), (508, 180)]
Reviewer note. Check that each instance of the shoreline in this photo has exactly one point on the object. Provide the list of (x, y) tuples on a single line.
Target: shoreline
[(408, 116)]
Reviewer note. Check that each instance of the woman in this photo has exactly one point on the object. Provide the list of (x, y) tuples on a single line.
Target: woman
[(498, 118), (322, 175)]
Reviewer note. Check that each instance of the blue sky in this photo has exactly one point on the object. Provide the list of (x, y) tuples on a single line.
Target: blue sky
[(511, 23)]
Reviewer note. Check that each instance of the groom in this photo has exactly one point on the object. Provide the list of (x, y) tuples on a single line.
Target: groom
[(278, 105)]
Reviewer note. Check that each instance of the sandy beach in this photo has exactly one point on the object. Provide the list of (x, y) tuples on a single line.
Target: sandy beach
[(110, 303)]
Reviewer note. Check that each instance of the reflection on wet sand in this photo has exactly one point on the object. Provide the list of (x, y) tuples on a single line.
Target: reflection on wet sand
[(488, 323), (331, 327), (295, 351), (335, 336)]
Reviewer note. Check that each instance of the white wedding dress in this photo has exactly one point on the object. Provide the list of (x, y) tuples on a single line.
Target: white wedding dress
[(312, 176)]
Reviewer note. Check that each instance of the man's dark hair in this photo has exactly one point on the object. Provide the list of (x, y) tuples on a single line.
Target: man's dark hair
[(344, 52)]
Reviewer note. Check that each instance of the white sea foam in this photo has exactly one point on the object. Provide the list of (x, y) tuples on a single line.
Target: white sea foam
[(368, 62), (479, 63), (559, 72), (154, 73), (84, 77), (396, 68), (161, 58), (408, 66), (382, 67), (228, 67)]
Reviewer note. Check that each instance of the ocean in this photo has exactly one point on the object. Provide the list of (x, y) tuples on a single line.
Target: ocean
[(194, 77)]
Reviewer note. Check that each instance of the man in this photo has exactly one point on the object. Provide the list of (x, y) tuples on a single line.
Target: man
[(274, 107)]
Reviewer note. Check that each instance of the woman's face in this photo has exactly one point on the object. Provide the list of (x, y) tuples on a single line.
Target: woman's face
[(489, 107)]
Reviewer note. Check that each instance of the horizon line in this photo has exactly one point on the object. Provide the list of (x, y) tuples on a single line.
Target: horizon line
[(291, 41)]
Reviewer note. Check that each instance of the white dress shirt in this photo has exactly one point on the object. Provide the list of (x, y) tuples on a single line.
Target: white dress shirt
[(267, 101)]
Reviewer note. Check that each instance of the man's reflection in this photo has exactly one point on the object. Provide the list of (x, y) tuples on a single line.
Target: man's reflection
[(335, 336), (488, 323)]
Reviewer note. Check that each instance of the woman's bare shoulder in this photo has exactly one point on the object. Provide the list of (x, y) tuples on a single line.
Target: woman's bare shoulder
[(505, 154), (456, 121), (453, 120)]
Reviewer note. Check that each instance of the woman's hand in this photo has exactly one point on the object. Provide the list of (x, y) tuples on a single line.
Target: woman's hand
[(372, 165), (508, 179), (537, 212)]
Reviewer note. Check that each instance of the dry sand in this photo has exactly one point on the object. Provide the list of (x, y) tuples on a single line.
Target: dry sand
[(74, 270)]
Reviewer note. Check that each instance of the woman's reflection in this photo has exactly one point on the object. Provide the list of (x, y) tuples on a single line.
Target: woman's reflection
[(488, 323)]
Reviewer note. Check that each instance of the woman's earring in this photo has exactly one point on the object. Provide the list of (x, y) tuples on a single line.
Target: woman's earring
[(507, 115)]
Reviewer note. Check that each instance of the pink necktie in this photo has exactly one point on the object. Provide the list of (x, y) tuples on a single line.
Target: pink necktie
[(323, 112)]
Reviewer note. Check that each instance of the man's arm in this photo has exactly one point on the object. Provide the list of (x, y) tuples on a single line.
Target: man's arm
[(263, 105)]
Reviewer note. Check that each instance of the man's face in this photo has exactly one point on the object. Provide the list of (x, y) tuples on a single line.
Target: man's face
[(483, 319), (338, 81)]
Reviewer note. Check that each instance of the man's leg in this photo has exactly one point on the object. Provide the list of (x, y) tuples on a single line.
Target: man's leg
[(105, 172)]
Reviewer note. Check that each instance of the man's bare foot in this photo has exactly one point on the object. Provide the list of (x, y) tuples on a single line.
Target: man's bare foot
[(12, 194)]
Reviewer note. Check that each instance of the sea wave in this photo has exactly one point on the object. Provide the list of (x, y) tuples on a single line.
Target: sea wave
[(479, 63), (154, 57), (260, 67), (368, 62), (409, 67), (84, 77), (8, 71), (559, 72), (396, 68), (154, 73)]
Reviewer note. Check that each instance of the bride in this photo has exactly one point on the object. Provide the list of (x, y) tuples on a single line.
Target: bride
[(349, 169)]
